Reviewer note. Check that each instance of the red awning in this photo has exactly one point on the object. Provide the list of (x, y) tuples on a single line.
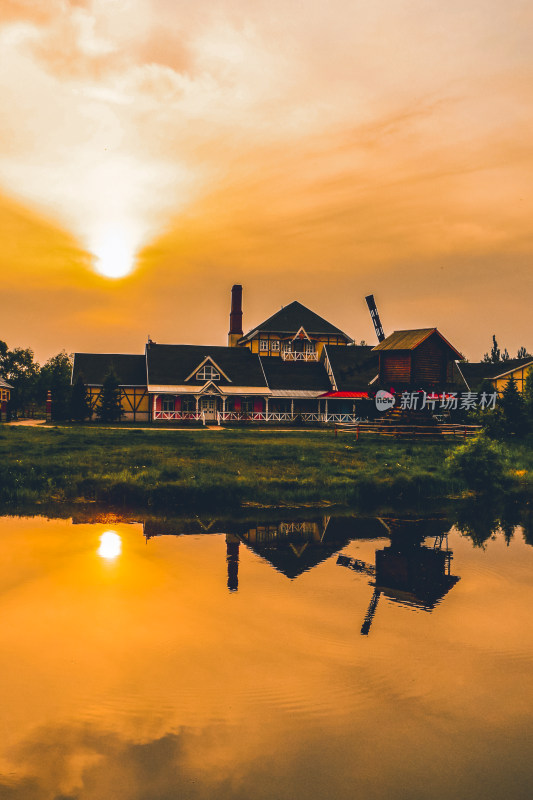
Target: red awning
[(343, 395)]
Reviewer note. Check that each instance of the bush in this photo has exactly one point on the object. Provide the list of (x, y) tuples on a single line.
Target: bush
[(481, 464)]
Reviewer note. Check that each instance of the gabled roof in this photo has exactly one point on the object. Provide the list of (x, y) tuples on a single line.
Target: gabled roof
[(295, 375), (130, 369), (353, 367), (172, 365), (293, 317), (409, 340), (476, 372), (4, 384)]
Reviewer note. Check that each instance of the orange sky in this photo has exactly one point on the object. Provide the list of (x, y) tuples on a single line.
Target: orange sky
[(316, 152)]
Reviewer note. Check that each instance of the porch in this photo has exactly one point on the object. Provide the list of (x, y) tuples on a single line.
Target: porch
[(219, 409)]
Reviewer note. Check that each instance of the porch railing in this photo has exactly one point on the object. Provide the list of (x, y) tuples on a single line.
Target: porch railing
[(283, 416), (290, 355), (191, 416)]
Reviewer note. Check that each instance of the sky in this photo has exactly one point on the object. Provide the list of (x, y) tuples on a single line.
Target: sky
[(155, 152)]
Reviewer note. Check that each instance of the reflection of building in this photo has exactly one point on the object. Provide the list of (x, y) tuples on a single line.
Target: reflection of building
[(407, 571), (291, 546)]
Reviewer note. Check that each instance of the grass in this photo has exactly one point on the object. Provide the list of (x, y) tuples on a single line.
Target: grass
[(154, 469)]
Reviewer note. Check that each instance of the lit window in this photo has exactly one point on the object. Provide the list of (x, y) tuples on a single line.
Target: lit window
[(208, 373), (274, 345), (263, 345)]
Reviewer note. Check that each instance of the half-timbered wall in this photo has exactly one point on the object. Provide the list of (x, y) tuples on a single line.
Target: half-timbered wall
[(133, 399), (519, 375)]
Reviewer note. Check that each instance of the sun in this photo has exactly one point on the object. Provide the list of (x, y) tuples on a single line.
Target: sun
[(114, 256), (110, 545)]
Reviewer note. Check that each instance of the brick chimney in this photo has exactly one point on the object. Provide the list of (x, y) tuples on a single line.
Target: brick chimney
[(235, 317)]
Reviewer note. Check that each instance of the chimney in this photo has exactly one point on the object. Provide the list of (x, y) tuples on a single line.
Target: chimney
[(235, 317)]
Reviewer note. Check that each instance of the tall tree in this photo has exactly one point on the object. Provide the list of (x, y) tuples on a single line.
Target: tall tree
[(79, 408), (513, 407), (55, 376), (109, 406), (522, 353), (495, 353), (528, 396)]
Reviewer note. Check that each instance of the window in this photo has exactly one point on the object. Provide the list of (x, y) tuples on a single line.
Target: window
[(309, 347), (274, 345), (188, 405), (208, 373), (168, 404), (263, 345), (247, 405)]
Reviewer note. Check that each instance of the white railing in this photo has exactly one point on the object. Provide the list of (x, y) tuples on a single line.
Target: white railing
[(290, 355), (195, 416), (283, 416)]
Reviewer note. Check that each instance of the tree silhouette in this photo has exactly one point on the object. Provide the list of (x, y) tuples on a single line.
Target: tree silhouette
[(109, 406), (79, 401)]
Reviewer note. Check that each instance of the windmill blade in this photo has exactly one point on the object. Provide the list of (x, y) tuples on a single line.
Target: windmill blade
[(375, 316)]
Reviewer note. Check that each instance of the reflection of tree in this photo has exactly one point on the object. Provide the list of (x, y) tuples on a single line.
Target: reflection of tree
[(482, 520)]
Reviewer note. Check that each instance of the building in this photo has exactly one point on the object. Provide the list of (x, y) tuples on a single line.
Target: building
[(5, 394), (475, 374), (294, 366)]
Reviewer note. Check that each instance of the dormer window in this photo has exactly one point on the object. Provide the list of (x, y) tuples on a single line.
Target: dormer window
[(208, 373)]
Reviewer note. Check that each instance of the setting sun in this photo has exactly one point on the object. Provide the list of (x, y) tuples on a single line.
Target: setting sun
[(110, 545), (115, 258)]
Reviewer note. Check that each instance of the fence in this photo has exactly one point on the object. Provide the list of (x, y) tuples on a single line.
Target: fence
[(396, 431)]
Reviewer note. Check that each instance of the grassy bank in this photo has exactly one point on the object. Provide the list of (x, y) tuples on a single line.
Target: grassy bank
[(190, 469)]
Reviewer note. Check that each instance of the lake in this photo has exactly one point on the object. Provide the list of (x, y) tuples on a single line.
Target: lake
[(276, 656)]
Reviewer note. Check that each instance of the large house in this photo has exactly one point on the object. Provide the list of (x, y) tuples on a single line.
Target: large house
[(293, 366)]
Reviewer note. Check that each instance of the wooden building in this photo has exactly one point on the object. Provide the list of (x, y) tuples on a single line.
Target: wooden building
[(420, 358)]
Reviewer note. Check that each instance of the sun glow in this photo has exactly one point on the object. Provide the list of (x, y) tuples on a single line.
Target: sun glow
[(110, 545), (115, 256)]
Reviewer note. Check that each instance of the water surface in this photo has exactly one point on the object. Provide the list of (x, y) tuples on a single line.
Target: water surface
[(237, 659)]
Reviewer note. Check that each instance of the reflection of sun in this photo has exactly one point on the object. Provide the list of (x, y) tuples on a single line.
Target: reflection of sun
[(115, 258), (110, 545)]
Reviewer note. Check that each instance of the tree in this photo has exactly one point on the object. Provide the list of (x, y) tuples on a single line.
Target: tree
[(55, 376), (79, 408), (528, 396), (109, 405), (495, 354), (522, 353), (513, 407), (19, 369)]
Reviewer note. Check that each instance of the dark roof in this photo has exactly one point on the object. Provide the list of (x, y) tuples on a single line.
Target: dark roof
[(408, 340), (130, 369), (295, 316), (475, 372), (295, 375), (172, 364), (353, 367)]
